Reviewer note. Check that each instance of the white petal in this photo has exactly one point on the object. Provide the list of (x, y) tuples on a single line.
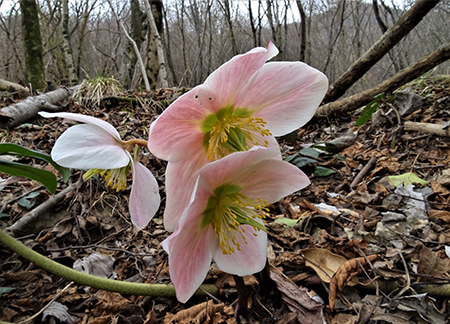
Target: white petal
[(144, 197), (84, 119), (251, 258), (88, 146)]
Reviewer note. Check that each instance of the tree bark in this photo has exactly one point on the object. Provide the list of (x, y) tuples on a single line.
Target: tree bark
[(303, 31), (6, 86), (394, 34), (29, 107), (408, 74), (87, 11), (226, 8), (67, 47), (155, 34), (136, 49), (434, 129), (34, 53)]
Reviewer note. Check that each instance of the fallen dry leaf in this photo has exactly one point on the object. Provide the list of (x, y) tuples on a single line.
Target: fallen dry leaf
[(197, 314), (346, 272), (109, 302), (430, 264), (324, 263), (299, 301), (441, 214)]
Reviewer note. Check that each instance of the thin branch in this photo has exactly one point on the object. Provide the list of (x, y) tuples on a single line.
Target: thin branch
[(136, 49)]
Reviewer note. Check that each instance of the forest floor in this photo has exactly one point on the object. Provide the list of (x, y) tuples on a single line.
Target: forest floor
[(371, 250)]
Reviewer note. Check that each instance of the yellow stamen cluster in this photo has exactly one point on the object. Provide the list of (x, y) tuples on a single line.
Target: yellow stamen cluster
[(236, 133), (227, 211), (117, 178)]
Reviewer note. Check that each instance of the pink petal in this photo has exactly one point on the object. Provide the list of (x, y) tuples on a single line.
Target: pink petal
[(285, 94), (180, 181), (85, 119), (252, 257), (230, 78), (190, 249), (144, 197), (176, 133), (272, 180), (87, 146), (230, 168)]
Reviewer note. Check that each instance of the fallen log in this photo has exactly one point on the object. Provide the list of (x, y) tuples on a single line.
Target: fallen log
[(433, 129), (406, 75), (15, 115), (6, 86)]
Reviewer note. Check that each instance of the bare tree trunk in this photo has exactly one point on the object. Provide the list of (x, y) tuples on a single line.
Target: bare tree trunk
[(136, 49), (227, 11), (168, 49), (340, 10), (198, 75), (356, 101), (157, 38), (303, 31), (34, 53), (67, 47), (260, 17), (275, 26), (87, 11), (130, 58), (397, 65), (29, 107), (403, 26), (252, 23)]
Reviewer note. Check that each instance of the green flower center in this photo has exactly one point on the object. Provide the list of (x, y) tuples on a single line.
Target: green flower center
[(117, 178), (227, 210), (232, 130)]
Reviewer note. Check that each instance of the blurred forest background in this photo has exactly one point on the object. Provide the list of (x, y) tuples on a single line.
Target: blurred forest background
[(85, 38)]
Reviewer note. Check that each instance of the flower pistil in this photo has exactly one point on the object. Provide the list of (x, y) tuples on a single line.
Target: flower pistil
[(227, 210), (232, 130), (117, 178)]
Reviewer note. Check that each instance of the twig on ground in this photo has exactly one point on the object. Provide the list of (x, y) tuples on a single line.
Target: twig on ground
[(48, 305), (33, 215), (363, 172)]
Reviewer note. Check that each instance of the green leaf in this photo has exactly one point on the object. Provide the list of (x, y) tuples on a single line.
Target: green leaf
[(26, 201), (13, 149), (3, 215), (302, 161), (5, 289), (339, 157), (369, 110), (289, 222), (28, 204), (47, 178), (323, 172), (310, 152), (290, 157), (406, 178)]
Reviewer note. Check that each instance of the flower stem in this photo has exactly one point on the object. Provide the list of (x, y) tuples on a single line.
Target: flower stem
[(241, 308), (135, 141), (121, 287)]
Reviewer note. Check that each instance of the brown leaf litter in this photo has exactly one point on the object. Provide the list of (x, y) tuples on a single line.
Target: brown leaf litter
[(360, 250)]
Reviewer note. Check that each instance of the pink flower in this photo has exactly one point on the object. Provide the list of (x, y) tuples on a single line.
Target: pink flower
[(96, 145), (224, 219), (240, 105)]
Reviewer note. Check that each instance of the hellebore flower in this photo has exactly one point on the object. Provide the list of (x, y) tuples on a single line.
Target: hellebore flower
[(96, 145), (244, 103), (224, 219)]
